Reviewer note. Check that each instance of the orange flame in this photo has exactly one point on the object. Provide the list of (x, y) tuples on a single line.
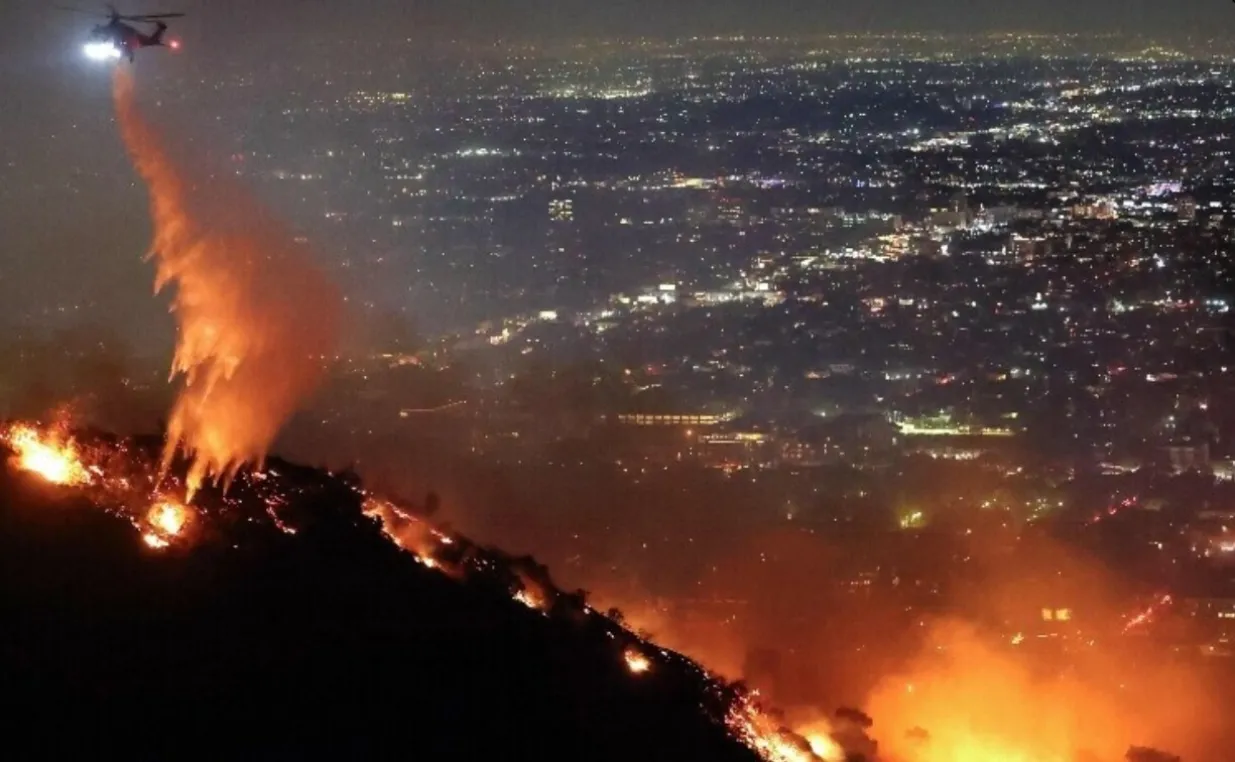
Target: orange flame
[(773, 743), (57, 462), (168, 517), (408, 533), (636, 662), (824, 747), (977, 703), (818, 735), (154, 541), (530, 599), (256, 318), (165, 522)]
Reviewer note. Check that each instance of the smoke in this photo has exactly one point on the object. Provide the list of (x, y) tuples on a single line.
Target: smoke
[(83, 368), (256, 320), (1042, 695)]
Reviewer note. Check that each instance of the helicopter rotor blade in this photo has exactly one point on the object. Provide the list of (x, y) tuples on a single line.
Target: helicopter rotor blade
[(96, 14), (149, 16)]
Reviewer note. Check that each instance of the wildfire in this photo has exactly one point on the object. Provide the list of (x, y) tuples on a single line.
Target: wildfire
[(818, 735), (973, 701), (57, 462), (165, 521), (405, 530), (822, 745), (755, 728), (255, 322), (168, 517), (58, 459), (636, 662), (529, 599), (745, 721)]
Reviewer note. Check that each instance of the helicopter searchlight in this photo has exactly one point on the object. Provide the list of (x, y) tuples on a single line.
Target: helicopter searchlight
[(102, 51)]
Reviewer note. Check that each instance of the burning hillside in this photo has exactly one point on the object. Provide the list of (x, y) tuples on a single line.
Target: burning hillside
[(283, 608), (290, 611)]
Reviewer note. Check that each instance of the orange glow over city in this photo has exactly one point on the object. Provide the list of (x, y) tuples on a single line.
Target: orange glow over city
[(964, 699)]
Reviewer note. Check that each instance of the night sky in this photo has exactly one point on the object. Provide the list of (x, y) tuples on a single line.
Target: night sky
[(73, 218)]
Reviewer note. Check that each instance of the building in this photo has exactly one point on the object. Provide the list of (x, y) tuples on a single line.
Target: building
[(731, 211), (1185, 207), (732, 449), (561, 210), (1187, 456), (1213, 618), (673, 419)]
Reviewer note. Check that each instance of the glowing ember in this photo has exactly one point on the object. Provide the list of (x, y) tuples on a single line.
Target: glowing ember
[(154, 541), (636, 662), (273, 503), (1147, 615), (58, 463)]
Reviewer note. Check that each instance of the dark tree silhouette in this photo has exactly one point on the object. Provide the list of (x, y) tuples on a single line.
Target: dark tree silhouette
[(1144, 754)]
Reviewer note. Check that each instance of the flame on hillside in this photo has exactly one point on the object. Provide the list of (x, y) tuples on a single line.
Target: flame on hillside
[(114, 478), (166, 521), (760, 731), (256, 319), (256, 323), (407, 531), (51, 456), (818, 733), (636, 662), (962, 701), (129, 492), (745, 720)]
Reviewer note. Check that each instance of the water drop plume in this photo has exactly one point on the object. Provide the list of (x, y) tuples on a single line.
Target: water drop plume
[(256, 319)]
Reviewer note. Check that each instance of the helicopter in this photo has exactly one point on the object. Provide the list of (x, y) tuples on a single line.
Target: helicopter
[(116, 38)]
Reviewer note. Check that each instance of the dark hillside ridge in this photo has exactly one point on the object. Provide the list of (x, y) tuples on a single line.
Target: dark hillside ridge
[(250, 643)]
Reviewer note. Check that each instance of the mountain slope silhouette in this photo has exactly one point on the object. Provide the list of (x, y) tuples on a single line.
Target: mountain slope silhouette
[(332, 643)]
